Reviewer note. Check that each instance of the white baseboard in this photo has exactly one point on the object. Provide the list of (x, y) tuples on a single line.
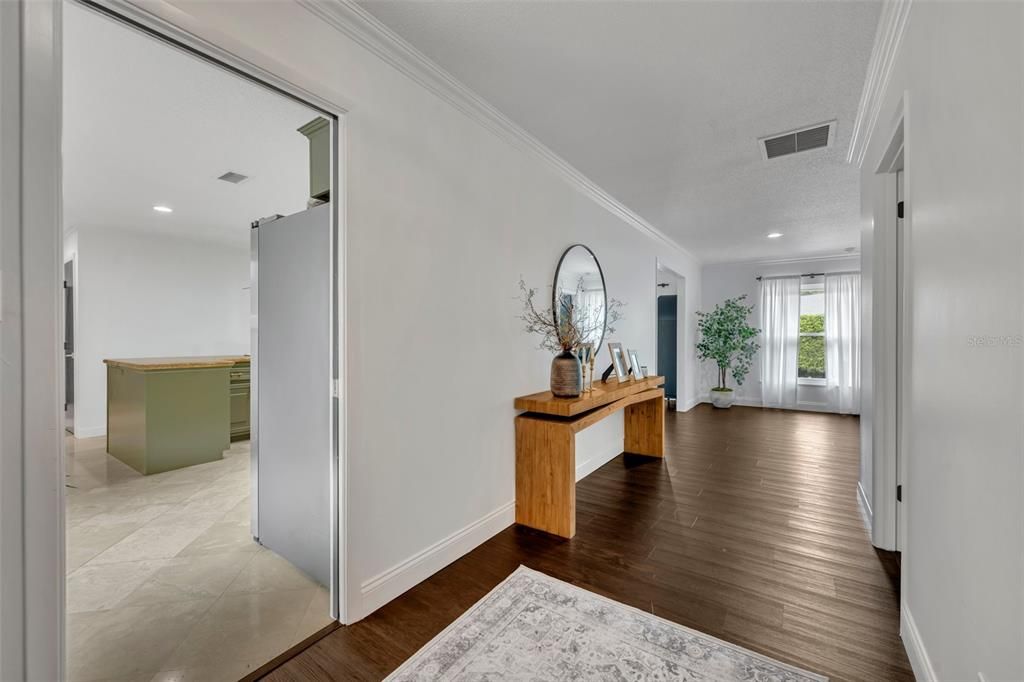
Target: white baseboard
[(742, 402), (865, 508), (752, 402), (914, 645), (382, 588), (688, 404), (90, 432)]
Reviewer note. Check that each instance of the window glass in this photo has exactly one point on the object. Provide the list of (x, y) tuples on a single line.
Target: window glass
[(811, 355)]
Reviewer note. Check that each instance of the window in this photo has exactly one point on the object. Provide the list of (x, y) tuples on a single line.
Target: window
[(811, 354)]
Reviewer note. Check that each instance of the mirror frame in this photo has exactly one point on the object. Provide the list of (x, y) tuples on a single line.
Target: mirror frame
[(604, 289)]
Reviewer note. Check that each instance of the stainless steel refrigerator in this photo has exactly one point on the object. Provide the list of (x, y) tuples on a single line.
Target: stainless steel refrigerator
[(292, 408)]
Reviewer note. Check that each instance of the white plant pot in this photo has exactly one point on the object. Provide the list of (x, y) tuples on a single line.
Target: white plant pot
[(723, 398)]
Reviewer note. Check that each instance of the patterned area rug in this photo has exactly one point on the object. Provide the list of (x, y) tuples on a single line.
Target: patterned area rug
[(533, 627)]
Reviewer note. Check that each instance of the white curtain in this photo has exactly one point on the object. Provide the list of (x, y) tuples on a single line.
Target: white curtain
[(842, 342), (590, 308), (780, 327)]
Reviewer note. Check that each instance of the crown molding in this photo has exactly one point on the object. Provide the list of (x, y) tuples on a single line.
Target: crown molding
[(888, 37), (356, 23), (784, 261)]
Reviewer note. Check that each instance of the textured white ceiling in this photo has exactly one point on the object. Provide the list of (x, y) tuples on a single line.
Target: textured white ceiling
[(146, 124), (662, 103)]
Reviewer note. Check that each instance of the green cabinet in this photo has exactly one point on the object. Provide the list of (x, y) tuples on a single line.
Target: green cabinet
[(239, 389), (169, 413), (159, 420)]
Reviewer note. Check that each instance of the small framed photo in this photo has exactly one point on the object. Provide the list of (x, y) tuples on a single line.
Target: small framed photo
[(619, 361), (634, 365), (586, 351)]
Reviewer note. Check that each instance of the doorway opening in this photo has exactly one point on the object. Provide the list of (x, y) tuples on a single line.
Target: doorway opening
[(671, 305), (201, 507)]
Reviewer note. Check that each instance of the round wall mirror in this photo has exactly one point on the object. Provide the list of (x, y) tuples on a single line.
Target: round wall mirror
[(578, 298)]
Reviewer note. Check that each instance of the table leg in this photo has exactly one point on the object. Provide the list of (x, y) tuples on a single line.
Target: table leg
[(546, 476), (645, 427)]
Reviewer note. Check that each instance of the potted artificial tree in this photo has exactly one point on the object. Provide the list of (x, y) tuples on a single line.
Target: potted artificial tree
[(727, 339)]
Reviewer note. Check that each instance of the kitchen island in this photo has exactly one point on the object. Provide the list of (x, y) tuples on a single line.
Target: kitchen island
[(169, 413)]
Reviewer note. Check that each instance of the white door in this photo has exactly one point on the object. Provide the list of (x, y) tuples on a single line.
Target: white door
[(292, 389)]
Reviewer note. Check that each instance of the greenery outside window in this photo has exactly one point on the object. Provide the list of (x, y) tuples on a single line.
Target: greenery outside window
[(811, 353)]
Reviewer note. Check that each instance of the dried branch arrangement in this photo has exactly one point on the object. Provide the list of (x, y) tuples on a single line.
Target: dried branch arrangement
[(579, 324)]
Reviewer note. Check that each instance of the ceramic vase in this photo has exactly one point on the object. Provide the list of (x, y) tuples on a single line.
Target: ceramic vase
[(566, 375)]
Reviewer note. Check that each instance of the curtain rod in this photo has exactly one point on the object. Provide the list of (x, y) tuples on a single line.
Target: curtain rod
[(811, 274)]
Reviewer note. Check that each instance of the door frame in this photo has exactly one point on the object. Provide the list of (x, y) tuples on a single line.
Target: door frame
[(32, 553), (682, 400), (892, 311), (31, 344)]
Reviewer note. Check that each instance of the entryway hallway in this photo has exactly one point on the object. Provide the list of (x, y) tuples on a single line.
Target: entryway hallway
[(749, 531)]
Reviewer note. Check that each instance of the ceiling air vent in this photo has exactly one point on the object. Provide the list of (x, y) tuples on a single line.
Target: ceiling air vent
[(233, 177), (795, 141)]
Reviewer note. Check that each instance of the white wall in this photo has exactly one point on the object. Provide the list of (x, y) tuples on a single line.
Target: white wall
[(443, 217), (142, 294), (728, 280), (961, 68)]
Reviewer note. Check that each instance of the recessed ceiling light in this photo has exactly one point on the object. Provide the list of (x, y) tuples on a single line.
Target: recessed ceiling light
[(163, 209), (774, 235)]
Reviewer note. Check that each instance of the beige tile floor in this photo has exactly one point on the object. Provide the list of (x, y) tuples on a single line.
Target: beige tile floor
[(165, 583)]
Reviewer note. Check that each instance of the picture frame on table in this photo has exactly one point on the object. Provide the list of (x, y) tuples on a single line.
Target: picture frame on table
[(634, 364), (585, 353), (619, 361)]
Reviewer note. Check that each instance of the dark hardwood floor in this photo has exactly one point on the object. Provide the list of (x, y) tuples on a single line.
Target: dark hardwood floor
[(749, 531)]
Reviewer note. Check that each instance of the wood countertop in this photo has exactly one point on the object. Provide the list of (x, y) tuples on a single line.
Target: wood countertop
[(603, 393), (195, 362)]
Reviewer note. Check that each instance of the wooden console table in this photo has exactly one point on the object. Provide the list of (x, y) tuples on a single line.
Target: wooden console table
[(546, 444)]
